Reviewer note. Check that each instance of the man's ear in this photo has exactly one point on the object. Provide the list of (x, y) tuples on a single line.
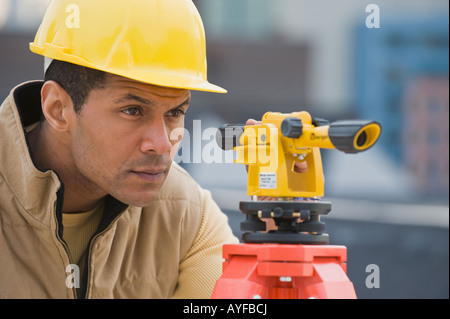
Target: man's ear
[(57, 105)]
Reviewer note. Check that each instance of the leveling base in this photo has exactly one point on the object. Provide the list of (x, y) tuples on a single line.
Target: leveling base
[(284, 271), (298, 222)]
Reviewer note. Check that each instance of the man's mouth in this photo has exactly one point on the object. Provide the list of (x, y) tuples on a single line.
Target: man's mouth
[(150, 175)]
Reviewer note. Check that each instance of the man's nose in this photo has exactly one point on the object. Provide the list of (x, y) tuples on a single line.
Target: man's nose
[(156, 138)]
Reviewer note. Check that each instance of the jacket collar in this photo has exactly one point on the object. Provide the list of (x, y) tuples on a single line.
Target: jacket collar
[(35, 190)]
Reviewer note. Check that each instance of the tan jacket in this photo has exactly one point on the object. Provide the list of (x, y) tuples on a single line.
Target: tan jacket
[(169, 249)]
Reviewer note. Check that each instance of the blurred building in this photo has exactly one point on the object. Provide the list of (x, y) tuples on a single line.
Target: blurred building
[(19, 20), (425, 136), (387, 60), (19, 16), (401, 80)]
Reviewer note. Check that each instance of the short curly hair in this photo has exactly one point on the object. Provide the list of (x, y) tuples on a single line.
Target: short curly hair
[(77, 80)]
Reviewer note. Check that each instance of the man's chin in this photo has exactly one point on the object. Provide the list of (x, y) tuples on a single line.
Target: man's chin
[(137, 193), (138, 200)]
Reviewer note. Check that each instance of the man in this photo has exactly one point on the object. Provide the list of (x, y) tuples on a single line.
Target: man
[(91, 205)]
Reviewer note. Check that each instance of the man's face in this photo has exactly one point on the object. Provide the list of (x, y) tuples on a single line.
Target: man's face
[(121, 138)]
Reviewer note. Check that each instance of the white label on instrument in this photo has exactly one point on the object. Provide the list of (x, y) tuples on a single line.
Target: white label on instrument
[(267, 180)]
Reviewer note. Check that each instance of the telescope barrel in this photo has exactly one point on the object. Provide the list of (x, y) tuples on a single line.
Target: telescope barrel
[(349, 136)]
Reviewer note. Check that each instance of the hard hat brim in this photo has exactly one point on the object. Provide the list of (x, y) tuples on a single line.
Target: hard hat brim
[(145, 75)]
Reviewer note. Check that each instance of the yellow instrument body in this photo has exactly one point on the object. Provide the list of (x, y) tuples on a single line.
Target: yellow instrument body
[(271, 152)]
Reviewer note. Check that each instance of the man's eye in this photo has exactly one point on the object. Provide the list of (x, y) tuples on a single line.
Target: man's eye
[(177, 113), (133, 111)]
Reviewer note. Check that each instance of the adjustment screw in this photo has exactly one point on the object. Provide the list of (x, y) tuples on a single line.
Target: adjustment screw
[(278, 212)]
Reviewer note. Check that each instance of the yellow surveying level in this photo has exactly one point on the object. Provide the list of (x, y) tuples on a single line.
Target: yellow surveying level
[(271, 148), (294, 260)]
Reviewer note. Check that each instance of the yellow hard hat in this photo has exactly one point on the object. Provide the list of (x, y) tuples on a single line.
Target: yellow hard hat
[(160, 42)]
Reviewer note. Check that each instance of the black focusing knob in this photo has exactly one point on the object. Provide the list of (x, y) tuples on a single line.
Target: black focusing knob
[(291, 127)]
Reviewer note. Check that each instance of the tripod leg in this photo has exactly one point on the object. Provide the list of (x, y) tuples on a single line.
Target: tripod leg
[(239, 280), (329, 281)]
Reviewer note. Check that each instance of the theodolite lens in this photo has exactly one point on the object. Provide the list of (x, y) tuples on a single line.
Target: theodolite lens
[(361, 139)]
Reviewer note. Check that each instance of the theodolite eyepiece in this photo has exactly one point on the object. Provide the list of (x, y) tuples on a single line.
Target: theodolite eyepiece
[(353, 136)]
